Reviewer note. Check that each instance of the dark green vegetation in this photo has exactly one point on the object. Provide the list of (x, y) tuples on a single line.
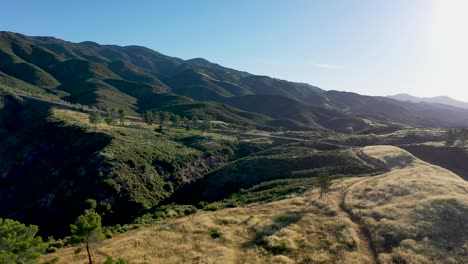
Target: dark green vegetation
[(285, 162)]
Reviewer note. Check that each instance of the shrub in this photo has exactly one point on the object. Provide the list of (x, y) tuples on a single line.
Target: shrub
[(111, 260), (212, 207), (190, 210), (214, 233)]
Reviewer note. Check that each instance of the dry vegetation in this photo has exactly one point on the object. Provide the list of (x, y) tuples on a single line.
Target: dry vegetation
[(300, 229), (415, 213)]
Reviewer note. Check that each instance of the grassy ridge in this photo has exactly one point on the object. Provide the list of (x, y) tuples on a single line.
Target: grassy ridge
[(292, 162), (415, 212)]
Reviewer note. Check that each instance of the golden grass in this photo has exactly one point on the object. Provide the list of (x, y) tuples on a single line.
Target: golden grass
[(301, 229), (415, 213)]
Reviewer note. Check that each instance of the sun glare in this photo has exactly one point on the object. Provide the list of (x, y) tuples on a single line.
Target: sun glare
[(450, 42)]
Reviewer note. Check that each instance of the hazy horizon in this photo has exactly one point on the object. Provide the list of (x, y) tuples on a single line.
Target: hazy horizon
[(369, 47)]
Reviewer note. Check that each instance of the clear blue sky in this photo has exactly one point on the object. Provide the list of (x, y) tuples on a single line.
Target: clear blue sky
[(376, 47)]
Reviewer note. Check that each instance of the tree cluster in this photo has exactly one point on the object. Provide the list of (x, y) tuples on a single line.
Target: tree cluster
[(96, 117), (453, 135), (162, 117)]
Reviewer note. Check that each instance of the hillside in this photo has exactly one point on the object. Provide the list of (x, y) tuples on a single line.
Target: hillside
[(361, 220), (280, 107), (66, 161)]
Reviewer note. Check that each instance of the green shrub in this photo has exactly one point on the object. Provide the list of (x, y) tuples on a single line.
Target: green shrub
[(190, 210), (111, 260), (201, 205), (51, 249), (214, 233), (212, 207)]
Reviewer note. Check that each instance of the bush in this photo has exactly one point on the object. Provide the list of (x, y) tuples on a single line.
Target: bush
[(214, 233), (212, 207), (111, 260), (51, 249), (190, 210)]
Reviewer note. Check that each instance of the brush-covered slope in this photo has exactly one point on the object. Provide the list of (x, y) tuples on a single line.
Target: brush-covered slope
[(414, 213), (280, 107), (295, 161), (51, 161)]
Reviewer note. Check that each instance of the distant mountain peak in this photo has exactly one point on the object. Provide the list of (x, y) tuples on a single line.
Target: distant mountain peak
[(434, 100)]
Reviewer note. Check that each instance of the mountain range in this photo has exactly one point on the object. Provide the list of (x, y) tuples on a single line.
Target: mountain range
[(436, 100), (136, 79)]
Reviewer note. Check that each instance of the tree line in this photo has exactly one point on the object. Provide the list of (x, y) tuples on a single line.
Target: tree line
[(96, 117), (151, 117)]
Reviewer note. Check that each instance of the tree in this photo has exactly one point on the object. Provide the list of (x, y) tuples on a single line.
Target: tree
[(159, 129), (163, 117), (175, 119), (18, 242), (324, 182), (450, 137), (109, 120), (87, 229), (148, 117), (207, 125), (122, 115), (462, 136), (95, 118)]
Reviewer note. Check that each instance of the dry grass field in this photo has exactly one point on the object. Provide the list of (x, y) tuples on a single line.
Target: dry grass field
[(415, 213)]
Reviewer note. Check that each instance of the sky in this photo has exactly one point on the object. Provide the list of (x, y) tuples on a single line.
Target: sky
[(372, 47)]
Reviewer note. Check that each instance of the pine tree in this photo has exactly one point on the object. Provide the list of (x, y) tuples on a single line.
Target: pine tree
[(87, 229), (324, 182), (148, 117), (95, 118), (122, 115), (18, 242)]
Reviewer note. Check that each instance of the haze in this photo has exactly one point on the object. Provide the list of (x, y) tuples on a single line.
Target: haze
[(369, 47)]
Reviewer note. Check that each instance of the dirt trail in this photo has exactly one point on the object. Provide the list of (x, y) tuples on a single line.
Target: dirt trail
[(365, 244)]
